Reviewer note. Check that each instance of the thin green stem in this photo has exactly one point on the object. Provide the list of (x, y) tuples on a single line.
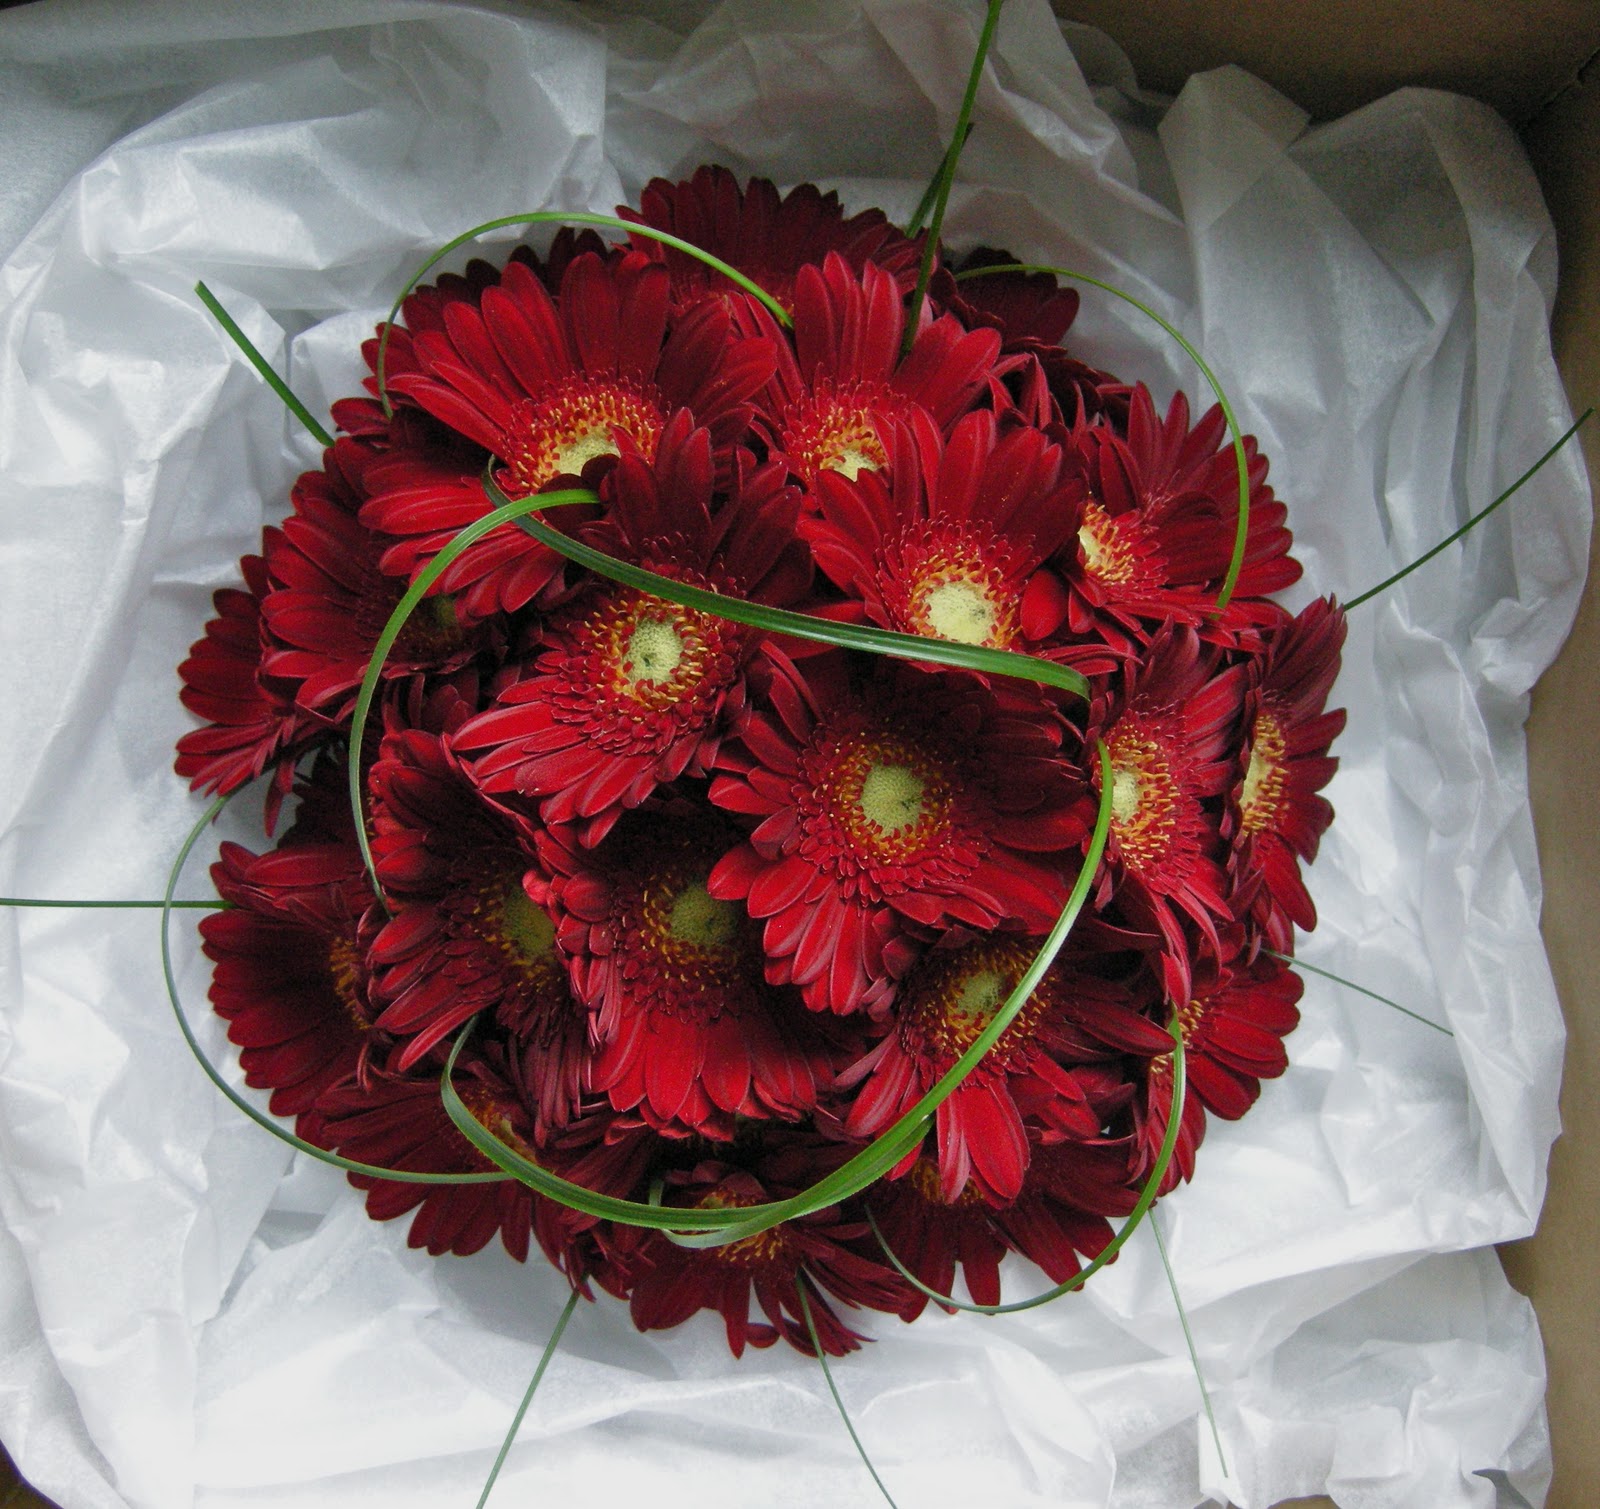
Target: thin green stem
[(1328, 974), (1472, 523), (299, 1144), (947, 174), (919, 216), (174, 906), (1242, 461), (1188, 1341), (827, 1373), (1147, 1198), (527, 1399), (261, 364), (563, 217)]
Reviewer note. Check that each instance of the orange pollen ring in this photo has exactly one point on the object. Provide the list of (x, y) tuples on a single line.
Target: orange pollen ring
[(655, 652), (748, 1252), (1144, 798), (889, 797), (1107, 554), (951, 999), (571, 424), (834, 435), (962, 602), (343, 965), (1262, 797)]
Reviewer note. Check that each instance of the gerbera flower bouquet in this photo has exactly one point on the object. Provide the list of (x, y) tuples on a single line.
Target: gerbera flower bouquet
[(790, 751)]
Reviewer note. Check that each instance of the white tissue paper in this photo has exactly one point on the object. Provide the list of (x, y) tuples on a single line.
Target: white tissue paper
[(191, 1315)]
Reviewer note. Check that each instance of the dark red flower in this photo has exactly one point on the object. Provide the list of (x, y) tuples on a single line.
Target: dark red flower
[(838, 393), (825, 1252), (1158, 531), (942, 1006), (947, 541), (633, 691), (1233, 1031), (465, 935), (916, 800), (290, 977), (252, 720), (1285, 763), (1171, 745), (688, 1033), (330, 601), (766, 238)]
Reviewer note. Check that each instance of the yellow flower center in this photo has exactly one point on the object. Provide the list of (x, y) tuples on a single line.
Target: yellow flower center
[(654, 652), (891, 797), (1144, 798), (1106, 552), (1262, 798), (564, 429), (961, 611)]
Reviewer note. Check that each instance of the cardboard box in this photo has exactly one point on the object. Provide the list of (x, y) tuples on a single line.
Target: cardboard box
[(1538, 63)]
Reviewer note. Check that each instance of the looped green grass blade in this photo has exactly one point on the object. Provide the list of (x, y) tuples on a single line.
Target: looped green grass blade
[(1241, 532), (1472, 523), (1147, 1198), (916, 647), (947, 176), (1188, 1341), (322, 1155), (262, 365), (827, 1373), (562, 217), (527, 1399), (715, 1227)]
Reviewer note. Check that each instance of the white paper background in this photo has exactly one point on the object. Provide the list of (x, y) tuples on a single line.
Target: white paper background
[(178, 1326)]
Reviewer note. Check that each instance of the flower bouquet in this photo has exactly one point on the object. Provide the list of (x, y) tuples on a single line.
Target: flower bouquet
[(789, 783)]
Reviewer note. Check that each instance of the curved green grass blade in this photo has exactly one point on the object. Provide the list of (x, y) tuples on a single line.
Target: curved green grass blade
[(299, 1144), (1147, 1198), (1328, 974), (947, 174), (915, 647), (1188, 1341), (527, 1399), (397, 621), (1242, 531), (827, 1373), (561, 217), (1472, 523), (919, 216), (262, 365), (715, 1227)]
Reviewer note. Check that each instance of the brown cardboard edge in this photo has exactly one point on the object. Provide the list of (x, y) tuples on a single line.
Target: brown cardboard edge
[(1553, 1267)]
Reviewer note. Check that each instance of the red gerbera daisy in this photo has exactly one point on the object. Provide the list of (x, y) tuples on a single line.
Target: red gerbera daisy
[(942, 1005), (920, 799), (290, 977), (947, 543), (466, 936), (548, 386), (1158, 530), (1233, 1031), (1171, 747), (252, 719), (634, 691), (689, 1035), (825, 1252), (1285, 763), (837, 395), (766, 238), (330, 601)]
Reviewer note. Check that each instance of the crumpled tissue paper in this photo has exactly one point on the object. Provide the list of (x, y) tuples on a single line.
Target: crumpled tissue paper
[(189, 1315)]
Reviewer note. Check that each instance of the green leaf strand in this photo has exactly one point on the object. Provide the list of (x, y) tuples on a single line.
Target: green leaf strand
[(827, 1373), (299, 1144), (562, 217), (1242, 530), (1472, 523), (947, 175), (527, 1398), (262, 365), (1328, 974), (1188, 1341), (1147, 1198), (914, 647), (170, 906)]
